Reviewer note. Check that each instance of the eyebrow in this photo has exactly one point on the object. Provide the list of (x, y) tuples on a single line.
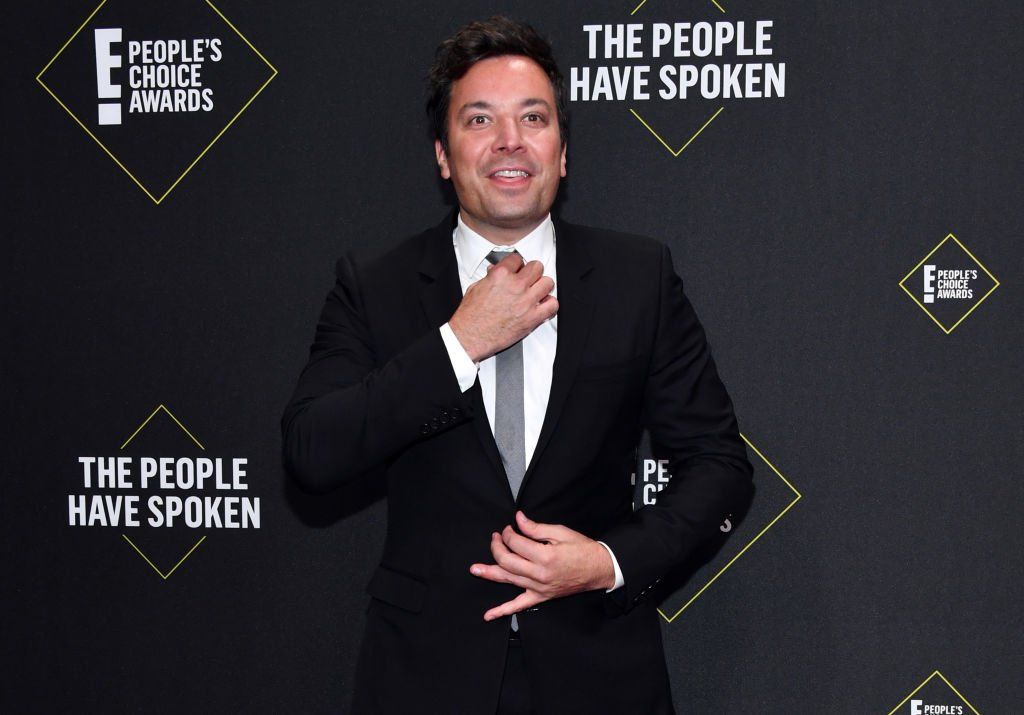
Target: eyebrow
[(525, 104)]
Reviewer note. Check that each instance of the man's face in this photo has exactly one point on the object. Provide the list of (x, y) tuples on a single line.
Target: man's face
[(505, 155)]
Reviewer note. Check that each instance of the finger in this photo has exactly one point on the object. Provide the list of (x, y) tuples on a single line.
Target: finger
[(525, 274), (508, 567), (538, 531), (540, 286), (531, 551), (493, 572), (532, 270), (546, 308), (536, 313), (534, 295), (516, 561), (527, 599)]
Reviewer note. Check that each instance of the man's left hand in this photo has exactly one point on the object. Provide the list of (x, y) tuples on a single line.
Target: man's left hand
[(547, 561)]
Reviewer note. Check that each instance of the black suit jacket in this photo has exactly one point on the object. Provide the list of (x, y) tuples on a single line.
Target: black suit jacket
[(379, 400)]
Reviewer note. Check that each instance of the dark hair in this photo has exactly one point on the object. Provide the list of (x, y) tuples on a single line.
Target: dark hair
[(495, 37)]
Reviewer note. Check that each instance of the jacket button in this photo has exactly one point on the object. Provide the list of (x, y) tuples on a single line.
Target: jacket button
[(424, 428)]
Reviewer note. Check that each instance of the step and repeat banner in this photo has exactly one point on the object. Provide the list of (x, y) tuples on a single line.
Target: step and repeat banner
[(840, 185)]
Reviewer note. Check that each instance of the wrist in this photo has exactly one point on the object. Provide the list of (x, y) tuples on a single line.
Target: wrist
[(617, 580), (472, 349)]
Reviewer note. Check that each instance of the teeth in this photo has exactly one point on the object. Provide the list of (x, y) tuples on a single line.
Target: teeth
[(510, 173)]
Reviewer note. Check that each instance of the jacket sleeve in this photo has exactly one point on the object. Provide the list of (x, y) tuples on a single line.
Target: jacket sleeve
[(690, 418), (353, 411)]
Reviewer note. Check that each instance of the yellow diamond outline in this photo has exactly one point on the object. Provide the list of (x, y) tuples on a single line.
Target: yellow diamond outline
[(644, 2), (163, 575), (39, 79), (752, 541), (995, 284), (162, 408), (674, 152), (926, 681)]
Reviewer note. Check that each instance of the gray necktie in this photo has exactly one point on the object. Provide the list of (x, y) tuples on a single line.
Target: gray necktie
[(509, 409), (510, 412)]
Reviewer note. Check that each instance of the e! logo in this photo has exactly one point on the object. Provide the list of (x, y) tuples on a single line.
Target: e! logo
[(109, 112), (929, 283)]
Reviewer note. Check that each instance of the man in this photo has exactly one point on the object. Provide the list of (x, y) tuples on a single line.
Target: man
[(503, 413)]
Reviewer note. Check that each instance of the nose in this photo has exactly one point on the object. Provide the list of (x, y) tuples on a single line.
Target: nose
[(509, 137)]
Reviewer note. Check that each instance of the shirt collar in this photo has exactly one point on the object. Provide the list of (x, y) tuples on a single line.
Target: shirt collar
[(473, 248)]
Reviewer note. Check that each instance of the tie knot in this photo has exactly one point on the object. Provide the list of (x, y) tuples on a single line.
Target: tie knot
[(496, 255)]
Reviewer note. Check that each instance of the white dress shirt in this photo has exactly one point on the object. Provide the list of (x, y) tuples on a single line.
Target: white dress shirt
[(471, 251)]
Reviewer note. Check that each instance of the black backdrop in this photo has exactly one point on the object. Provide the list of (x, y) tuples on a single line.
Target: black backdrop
[(793, 221)]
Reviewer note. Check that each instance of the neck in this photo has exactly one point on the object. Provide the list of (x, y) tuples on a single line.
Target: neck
[(500, 235)]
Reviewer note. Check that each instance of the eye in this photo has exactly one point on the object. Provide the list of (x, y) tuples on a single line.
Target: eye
[(477, 120), (534, 118)]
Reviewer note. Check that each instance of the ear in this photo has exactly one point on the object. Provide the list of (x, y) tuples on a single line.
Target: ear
[(564, 147), (442, 160)]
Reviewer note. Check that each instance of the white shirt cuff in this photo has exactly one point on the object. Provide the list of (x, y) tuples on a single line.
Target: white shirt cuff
[(619, 580), (464, 367)]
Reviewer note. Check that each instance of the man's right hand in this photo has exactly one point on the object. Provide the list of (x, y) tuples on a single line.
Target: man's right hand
[(504, 307)]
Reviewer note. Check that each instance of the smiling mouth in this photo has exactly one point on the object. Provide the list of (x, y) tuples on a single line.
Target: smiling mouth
[(511, 173)]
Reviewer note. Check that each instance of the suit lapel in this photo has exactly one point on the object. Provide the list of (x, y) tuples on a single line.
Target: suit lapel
[(575, 316), (440, 294), (440, 291)]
